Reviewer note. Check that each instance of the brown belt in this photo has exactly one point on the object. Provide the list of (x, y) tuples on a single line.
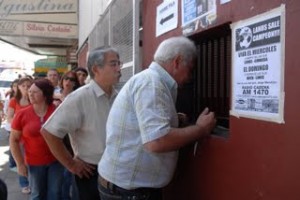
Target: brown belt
[(106, 184)]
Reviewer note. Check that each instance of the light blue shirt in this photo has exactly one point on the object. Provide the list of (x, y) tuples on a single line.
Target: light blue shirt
[(143, 111)]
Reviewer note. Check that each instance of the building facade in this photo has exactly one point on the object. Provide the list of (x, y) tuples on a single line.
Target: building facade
[(247, 72)]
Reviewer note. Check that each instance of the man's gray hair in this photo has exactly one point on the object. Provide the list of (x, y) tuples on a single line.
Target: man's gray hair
[(97, 58), (174, 46)]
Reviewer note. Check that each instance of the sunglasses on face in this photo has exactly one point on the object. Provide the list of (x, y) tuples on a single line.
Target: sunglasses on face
[(70, 79)]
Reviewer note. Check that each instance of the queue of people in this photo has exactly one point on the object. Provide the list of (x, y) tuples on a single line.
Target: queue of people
[(18, 101), (22, 158), (122, 146), (38, 163)]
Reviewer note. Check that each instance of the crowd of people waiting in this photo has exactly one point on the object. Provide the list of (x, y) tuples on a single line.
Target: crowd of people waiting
[(106, 145), (36, 99)]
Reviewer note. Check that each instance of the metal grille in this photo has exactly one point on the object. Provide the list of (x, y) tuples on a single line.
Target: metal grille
[(122, 29), (115, 28), (103, 31), (212, 77), (100, 35), (211, 82)]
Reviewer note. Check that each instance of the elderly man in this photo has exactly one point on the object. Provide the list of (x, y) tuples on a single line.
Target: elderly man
[(83, 116), (142, 128)]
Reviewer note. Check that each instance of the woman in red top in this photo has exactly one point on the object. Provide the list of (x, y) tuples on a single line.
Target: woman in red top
[(45, 172), (18, 101)]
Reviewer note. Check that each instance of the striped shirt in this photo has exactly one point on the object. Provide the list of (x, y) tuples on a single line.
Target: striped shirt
[(143, 111)]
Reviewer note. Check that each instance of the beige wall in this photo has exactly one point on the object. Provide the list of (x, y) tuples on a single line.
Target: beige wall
[(15, 15), (8, 7), (70, 18), (89, 13)]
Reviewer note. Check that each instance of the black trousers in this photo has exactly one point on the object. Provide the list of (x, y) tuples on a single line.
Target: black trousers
[(88, 187)]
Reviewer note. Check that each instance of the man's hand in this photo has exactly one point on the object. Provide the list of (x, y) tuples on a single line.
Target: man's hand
[(206, 121), (81, 168)]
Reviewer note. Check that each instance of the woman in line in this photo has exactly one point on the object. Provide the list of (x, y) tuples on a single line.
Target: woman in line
[(68, 83), (45, 172), (8, 96), (16, 103), (81, 74)]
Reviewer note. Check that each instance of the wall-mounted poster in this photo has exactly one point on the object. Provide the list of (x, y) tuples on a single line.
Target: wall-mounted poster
[(166, 17), (258, 66), (197, 14)]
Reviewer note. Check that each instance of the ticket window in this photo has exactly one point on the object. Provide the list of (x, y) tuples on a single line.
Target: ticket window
[(210, 86)]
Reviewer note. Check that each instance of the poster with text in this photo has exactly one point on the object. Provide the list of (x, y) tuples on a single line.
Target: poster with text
[(197, 14), (258, 66)]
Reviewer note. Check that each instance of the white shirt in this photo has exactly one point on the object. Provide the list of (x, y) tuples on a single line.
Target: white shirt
[(143, 111), (83, 115)]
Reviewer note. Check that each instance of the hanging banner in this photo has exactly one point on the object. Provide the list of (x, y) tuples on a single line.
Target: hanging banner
[(258, 66)]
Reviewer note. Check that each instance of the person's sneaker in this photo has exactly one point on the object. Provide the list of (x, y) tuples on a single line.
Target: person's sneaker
[(26, 190), (13, 169)]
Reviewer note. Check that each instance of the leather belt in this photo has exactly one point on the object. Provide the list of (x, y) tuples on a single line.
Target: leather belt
[(106, 184)]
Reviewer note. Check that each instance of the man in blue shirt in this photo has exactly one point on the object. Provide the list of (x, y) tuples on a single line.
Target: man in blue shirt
[(142, 127)]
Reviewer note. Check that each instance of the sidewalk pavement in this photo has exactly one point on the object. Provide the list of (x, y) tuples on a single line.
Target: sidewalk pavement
[(9, 177)]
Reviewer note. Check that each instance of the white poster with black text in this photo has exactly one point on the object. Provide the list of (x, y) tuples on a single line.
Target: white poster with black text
[(258, 66)]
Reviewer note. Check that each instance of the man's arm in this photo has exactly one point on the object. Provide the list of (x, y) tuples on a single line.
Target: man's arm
[(179, 137), (57, 147)]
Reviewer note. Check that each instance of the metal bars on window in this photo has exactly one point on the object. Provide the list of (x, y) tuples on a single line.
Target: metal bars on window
[(212, 76)]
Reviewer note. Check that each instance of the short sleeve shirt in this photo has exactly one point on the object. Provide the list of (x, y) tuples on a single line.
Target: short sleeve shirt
[(13, 103), (36, 149), (83, 115), (143, 111)]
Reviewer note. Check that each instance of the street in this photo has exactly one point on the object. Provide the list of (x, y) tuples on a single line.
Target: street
[(9, 177)]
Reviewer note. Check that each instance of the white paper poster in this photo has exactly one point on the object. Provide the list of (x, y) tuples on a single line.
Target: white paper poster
[(224, 1), (258, 66), (166, 17)]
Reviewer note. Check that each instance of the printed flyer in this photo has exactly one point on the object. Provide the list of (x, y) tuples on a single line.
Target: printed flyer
[(258, 66)]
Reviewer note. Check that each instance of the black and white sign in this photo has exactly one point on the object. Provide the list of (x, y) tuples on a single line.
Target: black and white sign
[(258, 66), (166, 17)]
